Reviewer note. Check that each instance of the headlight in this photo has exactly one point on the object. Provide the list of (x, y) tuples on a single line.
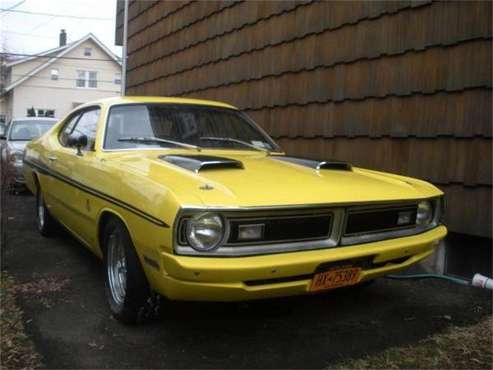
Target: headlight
[(16, 157), (205, 231), (424, 215)]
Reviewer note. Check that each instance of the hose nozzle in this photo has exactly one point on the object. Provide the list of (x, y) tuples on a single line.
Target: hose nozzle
[(482, 281)]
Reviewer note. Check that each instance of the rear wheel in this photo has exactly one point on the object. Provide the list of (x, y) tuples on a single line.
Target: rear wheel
[(127, 290), (46, 223)]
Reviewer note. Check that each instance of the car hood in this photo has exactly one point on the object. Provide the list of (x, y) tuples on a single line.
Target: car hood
[(17, 145), (265, 181)]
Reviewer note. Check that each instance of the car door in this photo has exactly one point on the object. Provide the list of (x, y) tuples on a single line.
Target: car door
[(66, 164), (56, 189), (85, 197)]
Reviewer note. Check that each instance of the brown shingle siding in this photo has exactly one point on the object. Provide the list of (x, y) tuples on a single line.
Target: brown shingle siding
[(384, 76), (441, 161), (177, 20), (291, 50), (465, 113), (154, 12), (468, 209), (227, 21)]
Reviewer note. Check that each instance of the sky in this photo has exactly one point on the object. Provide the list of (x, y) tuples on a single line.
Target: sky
[(30, 34)]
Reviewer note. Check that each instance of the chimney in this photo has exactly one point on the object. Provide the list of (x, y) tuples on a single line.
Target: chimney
[(63, 38)]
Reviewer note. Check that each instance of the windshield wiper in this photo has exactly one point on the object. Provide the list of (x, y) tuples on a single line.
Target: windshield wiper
[(152, 139), (230, 139)]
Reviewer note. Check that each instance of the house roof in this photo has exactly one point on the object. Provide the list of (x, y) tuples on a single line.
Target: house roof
[(54, 55), (42, 54)]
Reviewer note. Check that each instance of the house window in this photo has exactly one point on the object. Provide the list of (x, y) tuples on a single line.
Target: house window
[(117, 79), (93, 79), (54, 74), (81, 79), (87, 79), (87, 52)]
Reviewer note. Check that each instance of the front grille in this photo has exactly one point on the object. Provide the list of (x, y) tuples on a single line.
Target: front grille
[(294, 228), (276, 229), (380, 220)]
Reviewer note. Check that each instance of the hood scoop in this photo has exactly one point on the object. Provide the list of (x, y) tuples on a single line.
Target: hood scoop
[(316, 164), (197, 163)]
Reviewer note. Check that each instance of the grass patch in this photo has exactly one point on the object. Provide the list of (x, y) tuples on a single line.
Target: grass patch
[(17, 350), (458, 348)]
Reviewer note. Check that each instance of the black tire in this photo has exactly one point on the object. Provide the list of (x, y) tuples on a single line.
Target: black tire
[(46, 223), (135, 302)]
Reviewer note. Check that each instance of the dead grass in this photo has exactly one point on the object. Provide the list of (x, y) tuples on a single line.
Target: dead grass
[(17, 350), (458, 348)]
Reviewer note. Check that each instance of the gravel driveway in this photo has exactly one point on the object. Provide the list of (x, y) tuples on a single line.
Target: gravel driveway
[(65, 312)]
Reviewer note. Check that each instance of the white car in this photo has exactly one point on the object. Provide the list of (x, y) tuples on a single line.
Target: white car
[(19, 132)]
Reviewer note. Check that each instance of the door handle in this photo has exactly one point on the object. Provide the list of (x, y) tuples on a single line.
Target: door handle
[(51, 158)]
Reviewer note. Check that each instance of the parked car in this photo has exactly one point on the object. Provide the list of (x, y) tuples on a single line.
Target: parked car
[(18, 133), (191, 200)]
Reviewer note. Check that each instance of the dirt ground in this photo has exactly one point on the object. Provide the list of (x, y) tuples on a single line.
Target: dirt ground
[(65, 313)]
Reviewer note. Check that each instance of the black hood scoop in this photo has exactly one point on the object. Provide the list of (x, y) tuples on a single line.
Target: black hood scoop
[(316, 164), (197, 163)]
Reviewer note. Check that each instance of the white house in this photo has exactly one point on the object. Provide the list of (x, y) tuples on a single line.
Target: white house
[(55, 81)]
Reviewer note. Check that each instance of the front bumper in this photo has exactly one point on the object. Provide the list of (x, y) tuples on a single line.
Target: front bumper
[(285, 274)]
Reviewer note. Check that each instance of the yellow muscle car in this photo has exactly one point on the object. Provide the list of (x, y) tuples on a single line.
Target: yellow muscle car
[(191, 200)]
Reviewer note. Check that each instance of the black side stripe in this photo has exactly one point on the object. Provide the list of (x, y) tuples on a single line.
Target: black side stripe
[(47, 171)]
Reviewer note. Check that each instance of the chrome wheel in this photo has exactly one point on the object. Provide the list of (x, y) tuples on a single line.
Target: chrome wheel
[(117, 268), (41, 211)]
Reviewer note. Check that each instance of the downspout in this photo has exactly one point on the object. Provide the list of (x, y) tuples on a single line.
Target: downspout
[(124, 49)]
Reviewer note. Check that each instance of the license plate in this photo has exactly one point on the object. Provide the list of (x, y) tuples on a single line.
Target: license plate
[(335, 278)]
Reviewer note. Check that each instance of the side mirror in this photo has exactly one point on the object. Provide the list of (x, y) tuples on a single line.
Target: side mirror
[(3, 137), (77, 141)]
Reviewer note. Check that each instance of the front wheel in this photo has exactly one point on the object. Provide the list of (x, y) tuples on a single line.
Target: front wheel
[(129, 295)]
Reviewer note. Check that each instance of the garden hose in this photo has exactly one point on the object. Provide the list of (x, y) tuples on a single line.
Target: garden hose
[(478, 280)]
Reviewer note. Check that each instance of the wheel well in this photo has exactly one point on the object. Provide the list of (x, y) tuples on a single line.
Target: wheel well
[(103, 220)]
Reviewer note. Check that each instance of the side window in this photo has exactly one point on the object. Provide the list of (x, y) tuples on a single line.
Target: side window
[(68, 129), (87, 125)]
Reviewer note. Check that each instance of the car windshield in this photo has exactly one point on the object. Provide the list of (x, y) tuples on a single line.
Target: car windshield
[(28, 130), (168, 125)]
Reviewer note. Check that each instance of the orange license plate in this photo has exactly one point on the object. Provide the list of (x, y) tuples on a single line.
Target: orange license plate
[(335, 278)]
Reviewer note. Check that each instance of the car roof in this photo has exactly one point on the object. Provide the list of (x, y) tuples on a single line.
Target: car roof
[(157, 99)]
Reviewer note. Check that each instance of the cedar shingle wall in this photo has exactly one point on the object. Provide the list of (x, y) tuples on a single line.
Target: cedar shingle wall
[(398, 86)]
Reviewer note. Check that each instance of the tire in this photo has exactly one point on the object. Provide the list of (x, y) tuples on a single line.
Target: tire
[(129, 295), (46, 223)]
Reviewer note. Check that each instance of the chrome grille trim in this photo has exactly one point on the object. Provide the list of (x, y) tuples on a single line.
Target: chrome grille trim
[(329, 214), (336, 238), (347, 240), (357, 211), (256, 248)]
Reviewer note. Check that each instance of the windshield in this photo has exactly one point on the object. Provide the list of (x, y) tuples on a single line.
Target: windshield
[(159, 125), (28, 130)]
